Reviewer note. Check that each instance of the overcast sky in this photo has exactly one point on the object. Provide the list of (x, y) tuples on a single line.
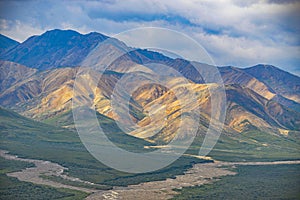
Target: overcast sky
[(234, 32)]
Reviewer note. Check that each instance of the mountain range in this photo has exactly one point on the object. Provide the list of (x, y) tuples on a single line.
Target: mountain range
[(37, 77)]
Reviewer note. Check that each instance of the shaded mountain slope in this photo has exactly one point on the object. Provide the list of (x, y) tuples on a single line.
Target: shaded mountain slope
[(45, 94), (13, 73), (54, 49), (283, 83), (261, 85), (233, 75), (34, 85), (247, 108), (258, 97), (6, 43)]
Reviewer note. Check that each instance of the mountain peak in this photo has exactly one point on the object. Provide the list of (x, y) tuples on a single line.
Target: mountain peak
[(228, 67), (266, 68), (60, 32), (54, 48), (280, 81), (71, 33), (93, 33)]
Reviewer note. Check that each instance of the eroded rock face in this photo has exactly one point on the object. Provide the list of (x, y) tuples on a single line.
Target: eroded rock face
[(262, 97), (47, 94)]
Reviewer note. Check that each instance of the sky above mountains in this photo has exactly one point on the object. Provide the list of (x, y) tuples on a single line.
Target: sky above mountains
[(234, 32)]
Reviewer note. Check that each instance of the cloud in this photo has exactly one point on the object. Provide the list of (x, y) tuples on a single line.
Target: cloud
[(234, 32), (243, 51), (17, 30)]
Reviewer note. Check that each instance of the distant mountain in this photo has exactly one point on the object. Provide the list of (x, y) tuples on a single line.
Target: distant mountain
[(247, 108), (233, 75), (281, 82), (47, 94), (268, 81), (67, 48), (6, 43), (39, 84), (55, 48), (13, 73), (287, 102)]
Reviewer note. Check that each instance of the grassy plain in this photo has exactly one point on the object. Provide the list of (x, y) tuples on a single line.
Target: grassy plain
[(251, 182)]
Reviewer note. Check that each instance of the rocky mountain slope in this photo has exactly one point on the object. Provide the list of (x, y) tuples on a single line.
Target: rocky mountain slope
[(281, 82), (39, 84), (53, 49), (6, 43)]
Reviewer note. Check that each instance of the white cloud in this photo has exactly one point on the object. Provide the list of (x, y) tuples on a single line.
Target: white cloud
[(242, 51), (18, 30), (235, 32)]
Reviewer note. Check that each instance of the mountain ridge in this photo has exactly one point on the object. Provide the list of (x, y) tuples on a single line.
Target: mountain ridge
[(54, 48), (46, 90), (6, 43)]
